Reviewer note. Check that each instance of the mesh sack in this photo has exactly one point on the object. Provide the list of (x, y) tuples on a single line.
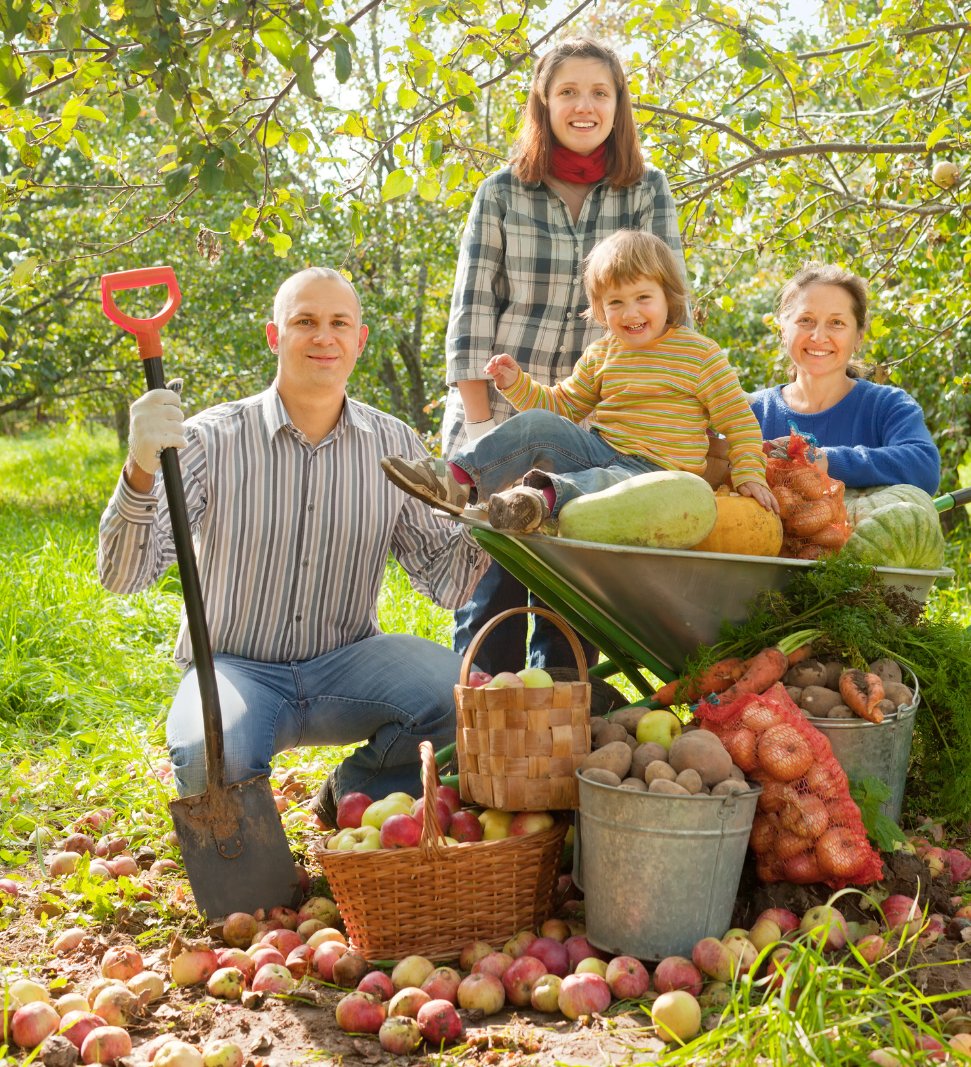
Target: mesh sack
[(811, 503), (807, 827)]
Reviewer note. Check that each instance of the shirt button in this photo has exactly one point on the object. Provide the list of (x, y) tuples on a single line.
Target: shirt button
[(569, 314), (562, 348), (298, 618), (306, 563), (310, 507)]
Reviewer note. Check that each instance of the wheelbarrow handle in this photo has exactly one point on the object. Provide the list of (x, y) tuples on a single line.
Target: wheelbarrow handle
[(146, 331), (953, 500)]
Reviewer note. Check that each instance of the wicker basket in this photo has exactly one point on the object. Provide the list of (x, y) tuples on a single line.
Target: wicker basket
[(434, 899), (519, 749)]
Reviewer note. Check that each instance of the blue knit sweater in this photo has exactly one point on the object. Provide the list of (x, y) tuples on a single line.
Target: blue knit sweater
[(876, 435)]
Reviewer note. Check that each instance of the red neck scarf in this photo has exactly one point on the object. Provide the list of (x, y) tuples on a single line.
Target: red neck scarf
[(570, 166)]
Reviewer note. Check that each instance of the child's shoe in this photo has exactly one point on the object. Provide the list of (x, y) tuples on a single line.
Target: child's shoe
[(429, 479), (519, 510)]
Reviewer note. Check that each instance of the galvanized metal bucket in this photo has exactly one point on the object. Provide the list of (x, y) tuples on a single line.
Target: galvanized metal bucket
[(658, 872), (876, 750)]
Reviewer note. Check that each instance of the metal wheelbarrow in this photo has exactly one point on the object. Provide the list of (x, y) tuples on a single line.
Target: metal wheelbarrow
[(651, 608)]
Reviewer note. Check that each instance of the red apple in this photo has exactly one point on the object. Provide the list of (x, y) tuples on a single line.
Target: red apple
[(76, 1025), (787, 920), (407, 1001), (451, 796), (442, 984), (105, 1045), (827, 925), (273, 978), (713, 959), (465, 826), (284, 941), (288, 918), (520, 977), (442, 810), (350, 808), (267, 954), (558, 929), (325, 956), (122, 962), (553, 954), (530, 822), (378, 983), (400, 831), (33, 1023), (236, 957), (360, 1013), (628, 978), (579, 948), (479, 678), (300, 961), (439, 1023), (676, 972), (472, 953), (583, 994), (495, 963), (239, 929), (193, 967)]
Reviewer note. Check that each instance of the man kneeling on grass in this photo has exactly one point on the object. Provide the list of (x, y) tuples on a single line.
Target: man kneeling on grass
[(293, 522)]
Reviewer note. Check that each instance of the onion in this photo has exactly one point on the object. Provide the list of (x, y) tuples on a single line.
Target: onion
[(740, 744), (789, 844), (784, 753), (824, 781), (805, 815), (774, 796), (763, 834), (841, 852), (758, 717), (802, 869)]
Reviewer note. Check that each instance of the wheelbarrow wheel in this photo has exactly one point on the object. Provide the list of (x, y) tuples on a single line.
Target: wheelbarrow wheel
[(603, 696)]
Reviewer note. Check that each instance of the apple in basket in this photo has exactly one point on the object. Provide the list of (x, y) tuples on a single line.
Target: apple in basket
[(479, 678), (535, 678), (465, 826), (350, 808), (356, 839), (376, 814), (400, 831), (530, 822), (505, 680)]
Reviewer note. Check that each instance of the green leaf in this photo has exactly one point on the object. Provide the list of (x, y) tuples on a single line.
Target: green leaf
[(752, 59), (30, 155), (429, 188), (176, 180), (397, 183), (281, 243), (342, 59), (751, 120), (22, 272), (938, 134), (165, 109), (274, 37), (211, 175), (132, 107), (407, 97), (303, 69), (298, 141), (465, 103)]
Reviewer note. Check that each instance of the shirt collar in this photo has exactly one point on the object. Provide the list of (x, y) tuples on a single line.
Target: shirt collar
[(354, 416)]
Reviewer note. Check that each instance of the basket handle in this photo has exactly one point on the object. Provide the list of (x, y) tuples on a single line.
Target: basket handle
[(431, 830), (575, 647)]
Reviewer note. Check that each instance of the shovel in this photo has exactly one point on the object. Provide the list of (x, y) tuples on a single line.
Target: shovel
[(233, 843)]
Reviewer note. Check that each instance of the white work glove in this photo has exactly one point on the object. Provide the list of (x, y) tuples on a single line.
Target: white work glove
[(475, 430), (156, 423)]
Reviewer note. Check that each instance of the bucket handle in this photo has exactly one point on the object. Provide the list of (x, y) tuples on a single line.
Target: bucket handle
[(575, 647)]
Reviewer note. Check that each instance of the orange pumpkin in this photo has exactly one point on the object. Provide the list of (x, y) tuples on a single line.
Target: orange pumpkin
[(742, 528)]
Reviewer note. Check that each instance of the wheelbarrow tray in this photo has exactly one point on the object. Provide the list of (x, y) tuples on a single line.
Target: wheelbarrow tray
[(652, 607)]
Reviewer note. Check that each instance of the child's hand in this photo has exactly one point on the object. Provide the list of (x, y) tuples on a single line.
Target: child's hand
[(503, 370), (760, 493)]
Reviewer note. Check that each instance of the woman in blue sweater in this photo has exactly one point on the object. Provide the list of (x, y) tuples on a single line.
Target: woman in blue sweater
[(867, 434)]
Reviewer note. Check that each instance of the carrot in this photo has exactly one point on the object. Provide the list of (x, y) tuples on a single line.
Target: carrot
[(716, 679), (861, 693), (763, 670), (797, 655)]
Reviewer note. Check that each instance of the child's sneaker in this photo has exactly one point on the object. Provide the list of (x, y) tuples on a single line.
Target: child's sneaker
[(519, 510), (429, 479)]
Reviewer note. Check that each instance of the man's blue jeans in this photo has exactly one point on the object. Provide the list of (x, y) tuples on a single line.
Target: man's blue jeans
[(545, 449), (392, 690)]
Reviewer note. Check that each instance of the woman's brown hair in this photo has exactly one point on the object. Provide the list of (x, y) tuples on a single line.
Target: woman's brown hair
[(534, 146), (815, 273)]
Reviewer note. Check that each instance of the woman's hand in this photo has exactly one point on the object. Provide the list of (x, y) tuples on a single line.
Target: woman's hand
[(760, 493), (503, 370)]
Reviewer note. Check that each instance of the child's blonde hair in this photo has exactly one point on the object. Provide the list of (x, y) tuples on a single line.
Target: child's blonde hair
[(627, 255)]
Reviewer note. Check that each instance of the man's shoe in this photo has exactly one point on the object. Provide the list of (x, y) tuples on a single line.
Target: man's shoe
[(324, 805), (429, 479), (519, 510)]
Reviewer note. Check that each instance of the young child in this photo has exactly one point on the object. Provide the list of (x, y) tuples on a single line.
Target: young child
[(651, 388)]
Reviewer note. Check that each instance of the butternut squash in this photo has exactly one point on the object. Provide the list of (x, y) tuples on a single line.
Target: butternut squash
[(742, 528)]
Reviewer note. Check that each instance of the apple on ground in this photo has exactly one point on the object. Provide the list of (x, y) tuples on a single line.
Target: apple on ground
[(411, 971), (558, 929), (545, 996), (350, 808), (378, 983), (659, 727), (583, 994), (407, 1001), (495, 963), (743, 950), (481, 992), (677, 1016), (535, 678), (442, 984), (439, 1023), (764, 932), (505, 680), (553, 954), (676, 972), (592, 965), (787, 920), (471, 953), (530, 822), (714, 959), (827, 925), (360, 1013), (349, 969), (400, 1035), (519, 979), (628, 978), (519, 943)]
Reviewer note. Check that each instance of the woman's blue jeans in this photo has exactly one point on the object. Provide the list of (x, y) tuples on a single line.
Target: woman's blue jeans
[(543, 449), (391, 690)]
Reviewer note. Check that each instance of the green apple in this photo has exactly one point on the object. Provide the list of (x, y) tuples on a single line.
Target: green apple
[(405, 798), (535, 678), (659, 726), (360, 839), (376, 813), (495, 824)]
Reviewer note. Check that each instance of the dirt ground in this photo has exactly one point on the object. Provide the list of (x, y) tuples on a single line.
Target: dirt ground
[(301, 1029)]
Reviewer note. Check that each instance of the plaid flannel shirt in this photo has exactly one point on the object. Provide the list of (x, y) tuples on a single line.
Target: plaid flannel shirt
[(519, 280)]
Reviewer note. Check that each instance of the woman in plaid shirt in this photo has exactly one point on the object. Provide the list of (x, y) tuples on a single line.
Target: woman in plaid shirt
[(577, 176)]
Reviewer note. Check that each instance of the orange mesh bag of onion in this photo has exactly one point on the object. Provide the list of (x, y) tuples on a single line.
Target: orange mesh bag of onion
[(811, 503), (807, 827)]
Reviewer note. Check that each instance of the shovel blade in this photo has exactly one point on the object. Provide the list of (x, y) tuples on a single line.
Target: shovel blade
[(234, 849)]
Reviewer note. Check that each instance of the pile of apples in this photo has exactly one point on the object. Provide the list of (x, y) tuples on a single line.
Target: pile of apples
[(527, 678), (396, 821)]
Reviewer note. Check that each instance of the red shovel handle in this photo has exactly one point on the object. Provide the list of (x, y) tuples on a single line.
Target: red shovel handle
[(146, 331)]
